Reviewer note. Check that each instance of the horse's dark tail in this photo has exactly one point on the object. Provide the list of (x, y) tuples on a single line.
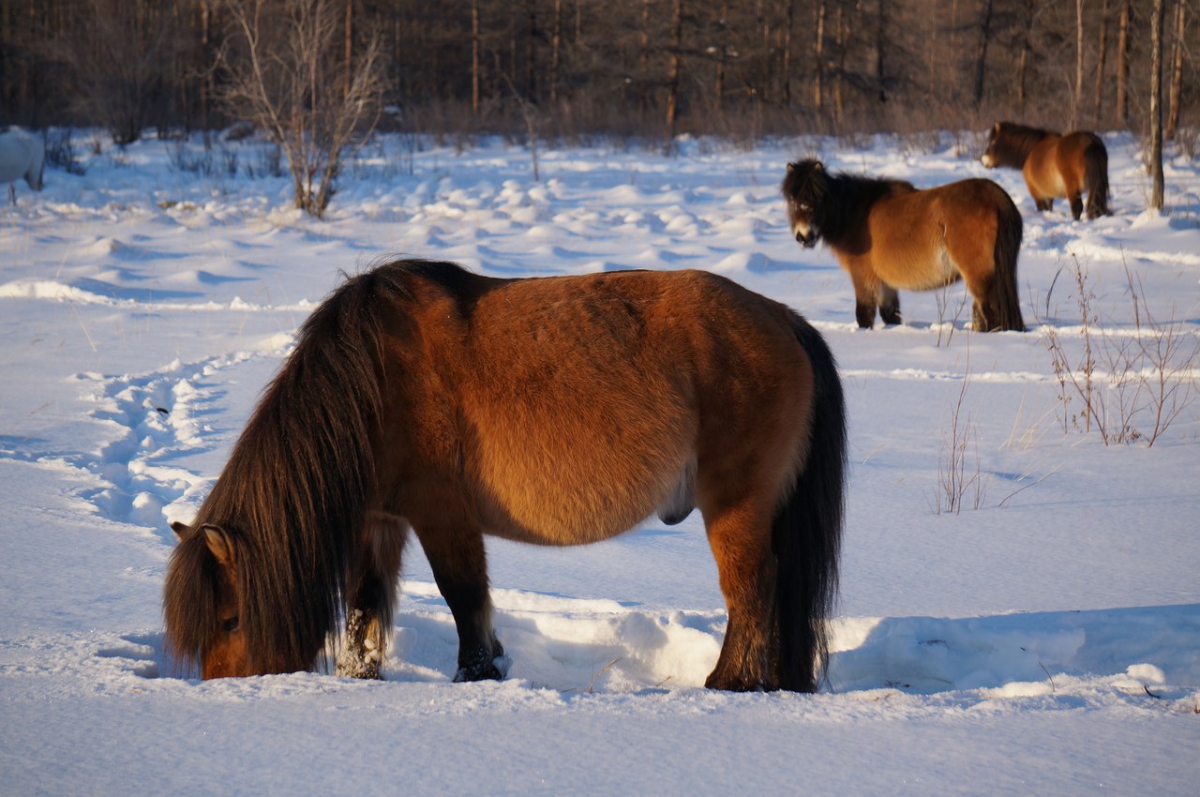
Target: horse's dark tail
[(1005, 313), (1095, 178), (807, 532)]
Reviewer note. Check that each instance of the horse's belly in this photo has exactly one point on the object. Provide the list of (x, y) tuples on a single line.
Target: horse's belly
[(578, 477), (1043, 176), (915, 262), (542, 509)]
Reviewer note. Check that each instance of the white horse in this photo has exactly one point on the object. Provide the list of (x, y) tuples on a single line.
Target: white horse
[(21, 155)]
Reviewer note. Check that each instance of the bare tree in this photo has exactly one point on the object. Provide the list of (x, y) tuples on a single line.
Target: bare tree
[(673, 72), (1077, 105), (1101, 56), (789, 10), (985, 35), (1023, 59), (1156, 115), (1176, 70), (475, 57), (119, 56), (819, 53), (1123, 64), (283, 55)]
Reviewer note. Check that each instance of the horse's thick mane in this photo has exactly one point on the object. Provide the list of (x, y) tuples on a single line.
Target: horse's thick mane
[(296, 491), (840, 201), (1011, 143)]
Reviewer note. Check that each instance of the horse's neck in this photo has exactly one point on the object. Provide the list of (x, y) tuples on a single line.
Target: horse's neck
[(853, 196), (1027, 138)]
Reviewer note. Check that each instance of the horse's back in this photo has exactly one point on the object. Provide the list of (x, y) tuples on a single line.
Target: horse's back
[(577, 404), (21, 155), (915, 235)]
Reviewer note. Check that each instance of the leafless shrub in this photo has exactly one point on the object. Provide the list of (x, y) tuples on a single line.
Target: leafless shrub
[(960, 478), (60, 151), (943, 301), (283, 66), (1119, 379)]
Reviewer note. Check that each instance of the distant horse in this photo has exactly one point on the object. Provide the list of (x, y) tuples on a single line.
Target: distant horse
[(1054, 165), (553, 411), (21, 155), (889, 235)]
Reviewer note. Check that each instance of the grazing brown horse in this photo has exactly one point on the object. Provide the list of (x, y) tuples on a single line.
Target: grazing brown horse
[(887, 234), (421, 397), (1054, 165)]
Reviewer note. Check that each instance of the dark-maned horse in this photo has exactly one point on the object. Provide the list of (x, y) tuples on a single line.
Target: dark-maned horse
[(553, 411), (887, 234), (1054, 165)]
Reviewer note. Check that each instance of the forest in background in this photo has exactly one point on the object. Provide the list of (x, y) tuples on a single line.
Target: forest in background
[(741, 69)]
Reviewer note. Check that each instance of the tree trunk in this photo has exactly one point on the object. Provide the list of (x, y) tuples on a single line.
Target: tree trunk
[(475, 58), (555, 48), (644, 62), (1156, 115), (1123, 64), (1078, 103), (349, 46), (1101, 56), (879, 40), (789, 20), (985, 33), (531, 55), (673, 72), (206, 82), (819, 52), (1023, 61), (838, 88), (722, 50), (1176, 70)]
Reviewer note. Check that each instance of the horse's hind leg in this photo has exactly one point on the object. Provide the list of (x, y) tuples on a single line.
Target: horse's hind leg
[(741, 543), (370, 600), (889, 304), (1076, 200), (459, 564)]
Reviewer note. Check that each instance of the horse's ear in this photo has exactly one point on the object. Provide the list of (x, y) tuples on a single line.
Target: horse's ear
[(182, 530), (818, 167), (791, 168), (996, 129), (219, 543)]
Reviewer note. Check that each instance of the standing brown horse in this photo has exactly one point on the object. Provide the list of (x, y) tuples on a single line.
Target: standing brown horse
[(889, 235), (551, 411), (1054, 165)]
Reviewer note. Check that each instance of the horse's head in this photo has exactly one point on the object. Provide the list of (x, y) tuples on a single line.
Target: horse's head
[(1009, 145), (201, 602), (990, 159), (804, 188)]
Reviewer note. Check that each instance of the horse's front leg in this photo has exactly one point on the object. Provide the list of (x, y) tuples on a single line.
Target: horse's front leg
[(371, 598), (866, 291), (459, 563)]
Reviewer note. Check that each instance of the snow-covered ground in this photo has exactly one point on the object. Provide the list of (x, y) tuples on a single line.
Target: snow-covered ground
[(1044, 640)]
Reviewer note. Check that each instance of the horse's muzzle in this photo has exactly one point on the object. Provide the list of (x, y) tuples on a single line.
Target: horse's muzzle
[(808, 241)]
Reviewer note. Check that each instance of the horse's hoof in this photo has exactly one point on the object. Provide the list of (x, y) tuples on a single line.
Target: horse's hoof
[(728, 684), (362, 670), (494, 669)]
